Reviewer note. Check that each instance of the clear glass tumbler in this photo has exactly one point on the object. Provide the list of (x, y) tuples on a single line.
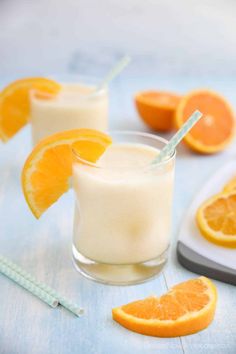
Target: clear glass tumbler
[(77, 105), (122, 217)]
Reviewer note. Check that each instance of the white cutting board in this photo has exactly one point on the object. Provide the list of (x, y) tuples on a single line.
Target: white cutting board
[(193, 250)]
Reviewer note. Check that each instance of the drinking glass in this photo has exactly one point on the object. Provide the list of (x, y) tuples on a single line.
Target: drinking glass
[(122, 216), (77, 105)]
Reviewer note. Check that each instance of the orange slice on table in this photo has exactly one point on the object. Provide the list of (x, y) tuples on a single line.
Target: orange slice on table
[(215, 129), (15, 103), (231, 185), (157, 108), (45, 176), (216, 219), (185, 309)]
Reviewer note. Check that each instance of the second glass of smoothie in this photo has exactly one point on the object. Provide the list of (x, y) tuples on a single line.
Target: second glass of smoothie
[(77, 105), (122, 218)]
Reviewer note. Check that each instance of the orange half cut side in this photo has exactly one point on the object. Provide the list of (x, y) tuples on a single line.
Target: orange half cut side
[(215, 130)]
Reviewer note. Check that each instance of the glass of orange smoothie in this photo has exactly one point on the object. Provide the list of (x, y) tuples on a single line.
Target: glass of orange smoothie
[(122, 217), (77, 105)]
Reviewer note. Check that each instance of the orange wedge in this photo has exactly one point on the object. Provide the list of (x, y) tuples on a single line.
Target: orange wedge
[(231, 185), (45, 176), (15, 104), (157, 109), (215, 129), (187, 308), (216, 219)]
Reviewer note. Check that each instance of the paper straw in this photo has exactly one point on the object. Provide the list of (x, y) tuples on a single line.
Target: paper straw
[(115, 71), (28, 285), (74, 308), (175, 140)]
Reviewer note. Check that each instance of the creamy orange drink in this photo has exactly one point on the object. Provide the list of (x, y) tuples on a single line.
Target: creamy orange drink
[(74, 106), (51, 107), (123, 199), (123, 210)]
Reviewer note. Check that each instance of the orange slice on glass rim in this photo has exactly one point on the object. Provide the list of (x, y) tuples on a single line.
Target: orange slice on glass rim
[(187, 308), (157, 108), (216, 219), (15, 103), (215, 129), (46, 173)]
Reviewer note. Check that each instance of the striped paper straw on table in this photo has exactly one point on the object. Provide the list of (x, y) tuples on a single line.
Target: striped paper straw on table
[(28, 285), (74, 308)]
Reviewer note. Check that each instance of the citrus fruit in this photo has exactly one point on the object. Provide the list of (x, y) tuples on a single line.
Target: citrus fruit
[(216, 219), (231, 185), (15, 103), (215, 129), (45, 175), (157, 109), (185, 309)]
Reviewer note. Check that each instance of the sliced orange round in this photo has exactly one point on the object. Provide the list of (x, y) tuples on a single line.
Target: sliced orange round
[(15, 103), (231, 185), (46, 173), (157, 109), (215, 129), (187, 308), (216, 219)]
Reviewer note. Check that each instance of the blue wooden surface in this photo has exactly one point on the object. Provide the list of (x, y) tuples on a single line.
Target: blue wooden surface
[(43, 247)]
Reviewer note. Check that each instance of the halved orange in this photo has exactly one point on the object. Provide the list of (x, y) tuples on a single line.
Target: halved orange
[(231, 185), (187, 308), (216, 219), (45, 176), (157, 108), (215, 129), (15, 103)]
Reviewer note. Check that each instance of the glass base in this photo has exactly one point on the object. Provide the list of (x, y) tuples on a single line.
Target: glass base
[(118, 274)]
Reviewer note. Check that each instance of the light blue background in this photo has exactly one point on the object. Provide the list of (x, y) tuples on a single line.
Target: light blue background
[(166, 37)]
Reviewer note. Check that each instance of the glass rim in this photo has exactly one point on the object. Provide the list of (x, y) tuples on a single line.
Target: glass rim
[(133, 133), (44, 96)]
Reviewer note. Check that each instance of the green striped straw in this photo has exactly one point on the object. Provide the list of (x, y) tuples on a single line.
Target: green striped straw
[(28, 285), (176, 139), (75, 309), (114, 71)]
